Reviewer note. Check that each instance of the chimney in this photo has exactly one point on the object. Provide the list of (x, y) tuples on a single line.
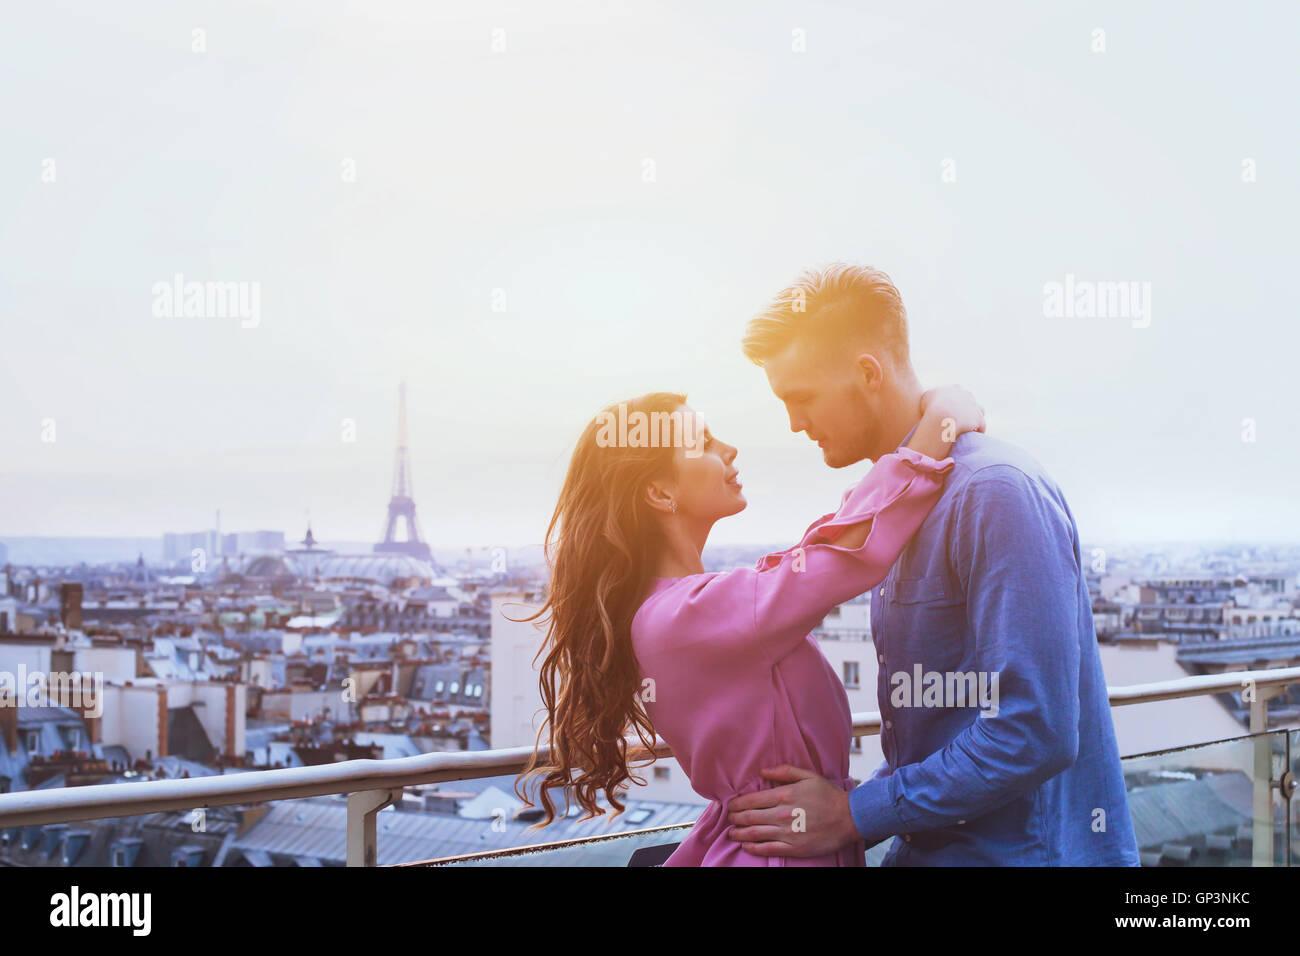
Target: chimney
[(9, 728), (70, 593)]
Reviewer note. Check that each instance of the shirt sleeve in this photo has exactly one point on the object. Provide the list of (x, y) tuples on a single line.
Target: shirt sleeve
[(772, 607), (1014, 551)]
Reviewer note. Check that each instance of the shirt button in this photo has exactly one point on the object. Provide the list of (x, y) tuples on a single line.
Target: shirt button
[(889, 725), (880, 658), (882, 592)]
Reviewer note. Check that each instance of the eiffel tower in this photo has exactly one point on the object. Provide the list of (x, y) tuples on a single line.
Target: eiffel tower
[(402, 505)]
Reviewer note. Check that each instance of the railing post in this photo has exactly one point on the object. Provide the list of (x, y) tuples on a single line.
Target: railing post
[(1262, 841), (362, 807)]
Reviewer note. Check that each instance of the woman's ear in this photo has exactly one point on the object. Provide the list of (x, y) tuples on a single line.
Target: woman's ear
[(661, 496)]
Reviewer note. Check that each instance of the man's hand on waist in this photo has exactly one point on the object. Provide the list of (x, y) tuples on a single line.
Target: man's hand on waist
[(808, 816)]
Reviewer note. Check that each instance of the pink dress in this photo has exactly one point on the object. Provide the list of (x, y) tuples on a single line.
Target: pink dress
[(738, 682)]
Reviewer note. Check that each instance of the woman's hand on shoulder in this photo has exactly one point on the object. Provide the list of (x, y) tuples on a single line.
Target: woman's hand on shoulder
[(953, 409)]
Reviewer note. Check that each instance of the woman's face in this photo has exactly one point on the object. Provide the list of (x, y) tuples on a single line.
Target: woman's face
[(707, 482)]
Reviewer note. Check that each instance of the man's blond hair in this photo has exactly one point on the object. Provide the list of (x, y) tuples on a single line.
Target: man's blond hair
[(840, 303)]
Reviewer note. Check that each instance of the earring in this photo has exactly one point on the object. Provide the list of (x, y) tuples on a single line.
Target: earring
[(674, 507)]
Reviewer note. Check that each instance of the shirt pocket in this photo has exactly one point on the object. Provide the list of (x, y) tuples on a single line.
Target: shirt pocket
[(927, 623), (927, 590)]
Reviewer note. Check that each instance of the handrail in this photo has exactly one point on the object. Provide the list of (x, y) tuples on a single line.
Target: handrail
[(35, 807)]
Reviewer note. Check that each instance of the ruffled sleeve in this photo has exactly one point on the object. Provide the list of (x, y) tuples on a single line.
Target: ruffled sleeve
[(892, 473)]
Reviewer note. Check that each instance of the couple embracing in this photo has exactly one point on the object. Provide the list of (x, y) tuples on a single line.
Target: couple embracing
[(973, 562)]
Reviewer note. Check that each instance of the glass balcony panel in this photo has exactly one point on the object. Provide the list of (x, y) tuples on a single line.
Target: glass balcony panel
[(1201, 806)]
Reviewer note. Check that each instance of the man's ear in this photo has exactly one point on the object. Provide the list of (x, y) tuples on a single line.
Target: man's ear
[(873, 374), (660, 495)]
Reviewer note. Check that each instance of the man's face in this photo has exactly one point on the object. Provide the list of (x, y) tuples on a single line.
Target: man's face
[(831, 397)]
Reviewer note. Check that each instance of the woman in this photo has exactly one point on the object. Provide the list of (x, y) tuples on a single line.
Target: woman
[(721, 665)]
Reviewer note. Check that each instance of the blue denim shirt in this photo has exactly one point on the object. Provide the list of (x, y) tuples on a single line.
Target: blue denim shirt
[(995, 723)]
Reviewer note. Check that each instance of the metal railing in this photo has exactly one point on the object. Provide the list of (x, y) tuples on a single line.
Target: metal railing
[(372, 785)]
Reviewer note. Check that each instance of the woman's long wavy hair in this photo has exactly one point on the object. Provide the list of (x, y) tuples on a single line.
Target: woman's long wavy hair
[(602, 546)]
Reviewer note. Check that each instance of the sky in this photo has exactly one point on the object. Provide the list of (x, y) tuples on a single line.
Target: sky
[(528, 211)]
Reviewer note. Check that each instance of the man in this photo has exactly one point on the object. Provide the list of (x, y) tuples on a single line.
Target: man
[(995, 723)]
